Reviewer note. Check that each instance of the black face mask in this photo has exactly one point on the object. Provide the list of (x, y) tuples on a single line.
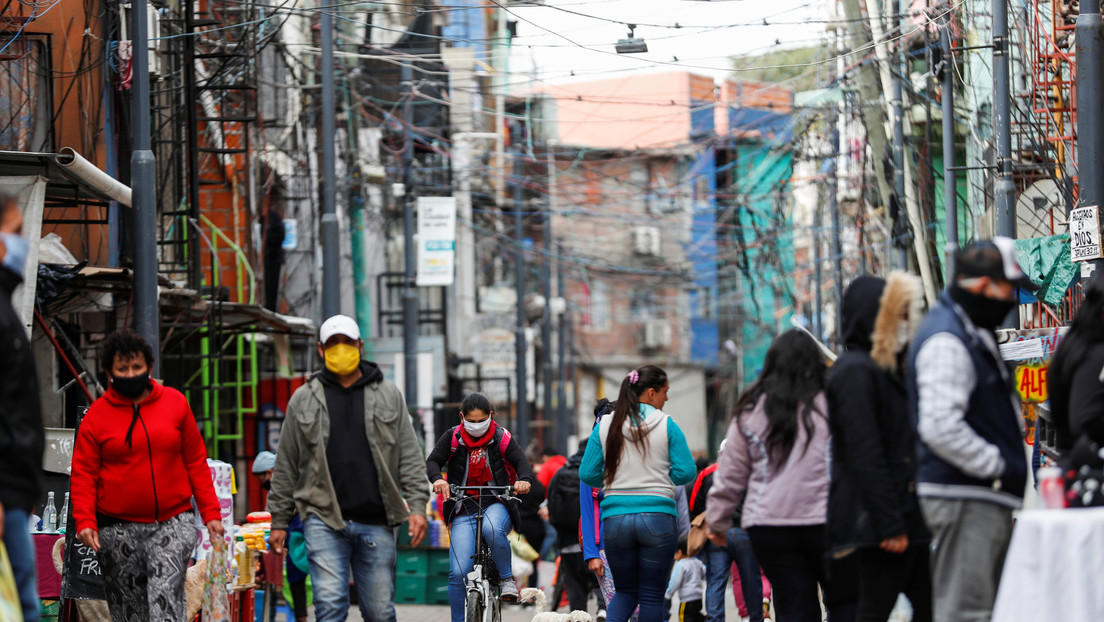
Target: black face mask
[(133, 387), (984, 312), (267, 484)]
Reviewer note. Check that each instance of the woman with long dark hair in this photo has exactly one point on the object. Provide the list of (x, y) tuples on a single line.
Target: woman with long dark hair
[(638, 455), (776, 464), (1076, 384)]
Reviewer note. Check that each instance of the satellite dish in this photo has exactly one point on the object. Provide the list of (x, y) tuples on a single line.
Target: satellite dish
[(1038, 207)]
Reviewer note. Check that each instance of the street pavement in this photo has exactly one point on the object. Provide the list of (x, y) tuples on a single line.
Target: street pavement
[(510, 613), (514, 613)]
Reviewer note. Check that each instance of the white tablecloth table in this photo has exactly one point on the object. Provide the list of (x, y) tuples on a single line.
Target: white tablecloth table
[(1054, 570)]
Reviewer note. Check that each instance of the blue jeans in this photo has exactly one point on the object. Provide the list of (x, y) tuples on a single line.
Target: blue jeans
[(718, 562), (17, 539), (496, 531), (641, 551), (370, 549)]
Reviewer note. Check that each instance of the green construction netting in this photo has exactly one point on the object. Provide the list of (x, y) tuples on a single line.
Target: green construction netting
[(1048, 263)]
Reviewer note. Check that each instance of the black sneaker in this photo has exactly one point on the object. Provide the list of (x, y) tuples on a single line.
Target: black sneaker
[(508, 590)]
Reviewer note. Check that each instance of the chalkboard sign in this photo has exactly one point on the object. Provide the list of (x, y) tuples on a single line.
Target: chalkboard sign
[(81, 575)]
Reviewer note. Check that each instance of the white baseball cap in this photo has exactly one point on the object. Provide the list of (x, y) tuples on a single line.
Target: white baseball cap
[(339, 325)]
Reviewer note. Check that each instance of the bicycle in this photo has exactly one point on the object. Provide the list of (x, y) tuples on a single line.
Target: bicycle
[(481, 596)]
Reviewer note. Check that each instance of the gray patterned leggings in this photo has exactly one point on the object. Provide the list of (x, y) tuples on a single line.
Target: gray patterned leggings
[(144, 566)]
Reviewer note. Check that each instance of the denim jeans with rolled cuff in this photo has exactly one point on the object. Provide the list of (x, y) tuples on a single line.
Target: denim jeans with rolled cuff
[(370, 550)]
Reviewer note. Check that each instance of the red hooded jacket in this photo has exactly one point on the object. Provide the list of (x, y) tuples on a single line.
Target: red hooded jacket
[(154, 478)]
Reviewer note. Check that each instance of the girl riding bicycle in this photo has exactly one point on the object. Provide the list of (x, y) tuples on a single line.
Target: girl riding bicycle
[(478, 452)]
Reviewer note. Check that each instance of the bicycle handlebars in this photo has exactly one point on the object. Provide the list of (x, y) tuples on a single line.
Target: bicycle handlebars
[(461, 491)]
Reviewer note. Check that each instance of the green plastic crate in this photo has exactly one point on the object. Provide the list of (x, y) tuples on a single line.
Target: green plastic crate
[(412, 561), (438, 563), (404, 535), (410, 589), (437, 590)]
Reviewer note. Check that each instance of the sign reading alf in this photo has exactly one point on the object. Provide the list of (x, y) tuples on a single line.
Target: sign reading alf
[(1084, 223)]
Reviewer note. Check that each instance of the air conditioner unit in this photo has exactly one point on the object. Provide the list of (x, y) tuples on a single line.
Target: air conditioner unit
[(657, 334), (153, 28), (153, 34), (646, 241)]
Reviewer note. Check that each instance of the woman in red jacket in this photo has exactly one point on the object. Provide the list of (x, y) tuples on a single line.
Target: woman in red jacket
[(137, 462)]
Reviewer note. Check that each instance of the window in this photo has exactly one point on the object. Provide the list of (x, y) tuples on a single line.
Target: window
[(643, 305), (703, 303), (598, 305), (25, 101)]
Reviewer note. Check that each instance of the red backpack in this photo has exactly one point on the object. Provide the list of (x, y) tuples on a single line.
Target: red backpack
[(503, 444)]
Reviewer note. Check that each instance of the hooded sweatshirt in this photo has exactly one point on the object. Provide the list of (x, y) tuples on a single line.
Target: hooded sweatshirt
[(155, 477), (687, 578), (22, 440), (643, 483), (872, 495), (348, 454)]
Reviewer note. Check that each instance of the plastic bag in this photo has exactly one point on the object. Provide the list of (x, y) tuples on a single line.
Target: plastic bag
[(521, 547), (216, 601), (10, 608)]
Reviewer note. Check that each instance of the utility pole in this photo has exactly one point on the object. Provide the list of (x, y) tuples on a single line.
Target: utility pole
[(837, 245), (562, 417), (520, 340), (410, 293), (818, 316), (331, 244), (1005, 190), (147, 317), (546, 319), (899, 147), (870, 92), (950, 192), (1089, 34)]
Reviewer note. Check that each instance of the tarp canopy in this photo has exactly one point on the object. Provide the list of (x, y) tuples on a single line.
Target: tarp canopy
[(1047, 262)]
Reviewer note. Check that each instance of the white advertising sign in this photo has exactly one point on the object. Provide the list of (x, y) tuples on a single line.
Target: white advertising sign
[(1084, 223), (436, 241)]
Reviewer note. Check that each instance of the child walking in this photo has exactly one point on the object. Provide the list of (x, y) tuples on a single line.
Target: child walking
[(687, 580)]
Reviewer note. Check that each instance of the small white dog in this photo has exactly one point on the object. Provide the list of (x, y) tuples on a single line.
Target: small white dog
[(543, 615)]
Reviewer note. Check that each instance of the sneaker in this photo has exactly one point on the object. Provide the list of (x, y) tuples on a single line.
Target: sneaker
[(508, 590)]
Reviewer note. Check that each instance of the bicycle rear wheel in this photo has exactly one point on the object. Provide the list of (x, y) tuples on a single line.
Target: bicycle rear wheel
[(473, 607)]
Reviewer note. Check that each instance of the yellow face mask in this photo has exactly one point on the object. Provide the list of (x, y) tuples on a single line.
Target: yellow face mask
[(342, 359)]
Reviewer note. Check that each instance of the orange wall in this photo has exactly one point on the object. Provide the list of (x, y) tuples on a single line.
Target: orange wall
[(78, 107)]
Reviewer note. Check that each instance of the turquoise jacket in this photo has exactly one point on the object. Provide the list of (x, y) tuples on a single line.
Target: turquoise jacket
[(682, 471)]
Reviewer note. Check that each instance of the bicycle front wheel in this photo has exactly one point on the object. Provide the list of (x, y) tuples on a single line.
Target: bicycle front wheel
[(473, 607)]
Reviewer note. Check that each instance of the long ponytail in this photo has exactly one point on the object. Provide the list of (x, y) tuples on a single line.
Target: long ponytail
[(634, 384)]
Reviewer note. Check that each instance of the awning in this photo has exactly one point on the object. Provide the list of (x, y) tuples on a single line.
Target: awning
[(181, 306)]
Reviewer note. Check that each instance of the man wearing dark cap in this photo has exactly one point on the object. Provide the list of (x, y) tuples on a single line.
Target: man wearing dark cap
[(971, 465)]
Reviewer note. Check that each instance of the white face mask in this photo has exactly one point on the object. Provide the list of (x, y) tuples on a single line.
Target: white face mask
[(477, 429), (902, 335)]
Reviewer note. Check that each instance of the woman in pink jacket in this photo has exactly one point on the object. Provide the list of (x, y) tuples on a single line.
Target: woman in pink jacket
[(776, 464)]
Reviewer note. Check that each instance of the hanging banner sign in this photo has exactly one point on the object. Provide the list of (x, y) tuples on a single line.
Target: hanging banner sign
[(436, 241), (1084, 224)]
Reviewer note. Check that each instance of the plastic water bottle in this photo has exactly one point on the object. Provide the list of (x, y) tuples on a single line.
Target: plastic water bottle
[(64, 519), (49, 517)]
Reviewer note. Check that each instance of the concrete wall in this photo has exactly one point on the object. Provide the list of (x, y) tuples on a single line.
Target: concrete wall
[(686, 405)]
